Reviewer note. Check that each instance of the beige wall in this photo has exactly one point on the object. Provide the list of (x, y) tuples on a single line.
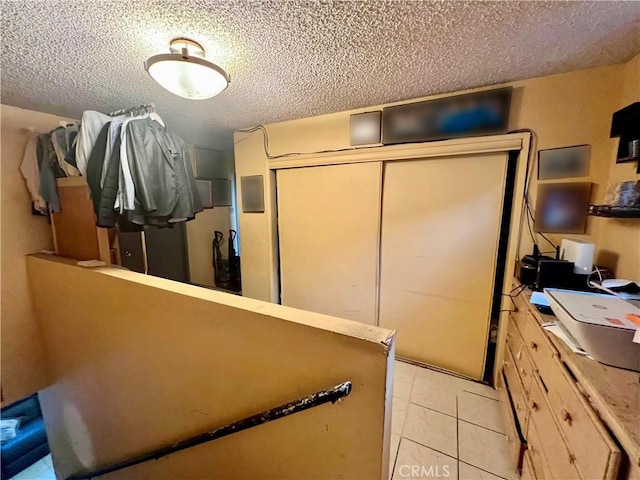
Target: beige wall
[(200, 231), (140, 362), (23, 370), (619, 240), (568, 109), (22, 233), (199, 239), (257, 231)]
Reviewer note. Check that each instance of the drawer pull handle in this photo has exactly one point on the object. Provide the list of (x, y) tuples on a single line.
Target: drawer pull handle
[(523, 372), (534, 346), (572, 458), (566, 416), (534, 406)]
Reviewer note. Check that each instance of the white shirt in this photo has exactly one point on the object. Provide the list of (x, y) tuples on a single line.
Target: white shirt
[(126, 189), (92, 123)]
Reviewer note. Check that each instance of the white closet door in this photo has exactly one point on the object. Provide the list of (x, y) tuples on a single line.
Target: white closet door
[(440, 232), (329, 229)]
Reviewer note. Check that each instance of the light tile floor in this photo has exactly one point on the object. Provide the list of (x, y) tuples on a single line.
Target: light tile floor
[(442, 427), (445, 427), (41, 470)]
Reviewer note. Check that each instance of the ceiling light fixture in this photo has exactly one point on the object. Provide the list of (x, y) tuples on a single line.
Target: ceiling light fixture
[(185, 72)]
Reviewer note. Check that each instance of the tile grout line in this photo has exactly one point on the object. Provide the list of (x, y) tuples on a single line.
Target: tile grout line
[(426, 446), (482, 426), (395, 459), (457, 414), (482, 469), (404, 418), (458, 419), (457, 438), (433, 409), (480, 395)]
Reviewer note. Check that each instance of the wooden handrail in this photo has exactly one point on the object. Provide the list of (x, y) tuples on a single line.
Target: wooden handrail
[(332, 395)]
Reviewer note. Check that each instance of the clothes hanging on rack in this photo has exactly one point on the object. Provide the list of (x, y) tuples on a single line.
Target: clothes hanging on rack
[(165, 190), (95, 166), (60, 138), (140, 172), (47, 157), (114, 131), (137, 171), (90, 126), (106, 214), (30, 168), (126, 190), (49, 171)]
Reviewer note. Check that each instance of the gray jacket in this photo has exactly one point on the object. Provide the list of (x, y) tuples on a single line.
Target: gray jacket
[(165, 187)]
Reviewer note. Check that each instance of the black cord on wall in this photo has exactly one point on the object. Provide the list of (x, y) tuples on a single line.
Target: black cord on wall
[(294, 154), (530, 212)]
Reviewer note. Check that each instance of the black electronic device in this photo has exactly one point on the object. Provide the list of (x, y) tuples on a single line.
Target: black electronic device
[(555, 274), (527, 269), (538, 271)]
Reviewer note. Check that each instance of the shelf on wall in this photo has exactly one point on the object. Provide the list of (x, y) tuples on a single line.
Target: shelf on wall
[(614, 211)]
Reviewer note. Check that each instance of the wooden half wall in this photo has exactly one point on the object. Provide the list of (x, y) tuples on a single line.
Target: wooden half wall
[(139, 362)]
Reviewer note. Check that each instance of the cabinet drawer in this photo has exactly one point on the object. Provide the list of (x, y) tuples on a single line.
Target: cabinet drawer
[(539, 463), (518, 396), (596, 454), (549, 452), (513, 437), (528, 473), (538, 346), (523, 362), (518, 318)]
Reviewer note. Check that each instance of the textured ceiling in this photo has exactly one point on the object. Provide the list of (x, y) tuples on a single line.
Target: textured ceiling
[(292, 59)]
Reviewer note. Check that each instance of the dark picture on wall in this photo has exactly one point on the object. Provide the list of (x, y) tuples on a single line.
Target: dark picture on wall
[(562, 207)]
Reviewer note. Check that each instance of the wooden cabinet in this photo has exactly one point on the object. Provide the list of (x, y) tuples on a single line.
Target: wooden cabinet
[(519, 397), (573, 426), (522, 361), (329, 223), (406, 245), (75, 234), (527, 468), (514, 436), (440, 231), (547, 442), (161, 252)]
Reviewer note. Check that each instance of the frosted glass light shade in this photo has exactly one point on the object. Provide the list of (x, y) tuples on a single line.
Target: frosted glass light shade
[(187, 76)]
